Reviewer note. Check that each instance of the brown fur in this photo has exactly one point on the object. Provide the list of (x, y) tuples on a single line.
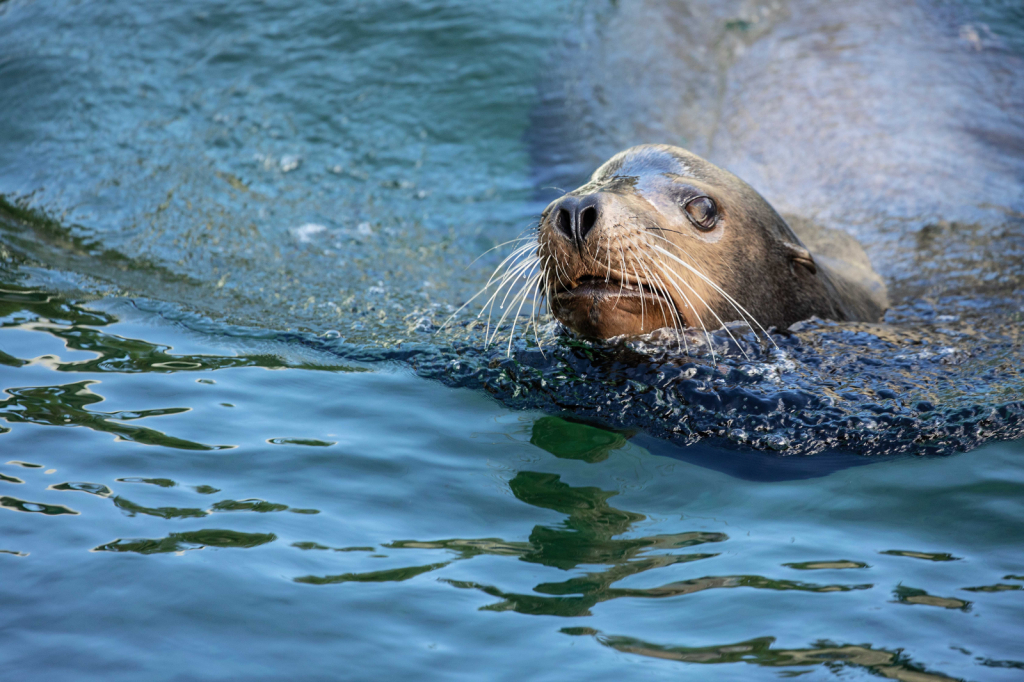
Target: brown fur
[(618, 278)]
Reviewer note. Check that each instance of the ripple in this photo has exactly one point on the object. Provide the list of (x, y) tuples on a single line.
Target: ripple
[(999, 587), (593, 590), (65, 405), (302, 441), (14, 504), (914, 596), (306, 546), (160, 482), (395, 575), (132, 509), (826, 565), (890, 664), (180, 542), (259, 506), (927, 556), (91, 488)]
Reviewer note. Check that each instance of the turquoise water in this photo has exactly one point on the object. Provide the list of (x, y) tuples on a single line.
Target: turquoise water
[(201, 506), (236, 444)]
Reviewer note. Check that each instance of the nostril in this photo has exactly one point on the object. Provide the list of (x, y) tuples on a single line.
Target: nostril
[(588, 217), (564, 222)]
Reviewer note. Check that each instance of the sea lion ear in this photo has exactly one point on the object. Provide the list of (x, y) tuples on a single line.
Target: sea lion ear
[(798, 255)]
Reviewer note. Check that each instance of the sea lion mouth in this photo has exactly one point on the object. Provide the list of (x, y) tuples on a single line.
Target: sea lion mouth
[(603, 306), (600, 286)]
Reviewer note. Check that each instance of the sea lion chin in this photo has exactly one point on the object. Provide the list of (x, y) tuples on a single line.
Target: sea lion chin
[(601, 309), (659, 237)]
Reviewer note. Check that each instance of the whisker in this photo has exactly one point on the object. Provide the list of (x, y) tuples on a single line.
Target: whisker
[(542, 279), (526, 292), (515, 255), (606, 240), (498, 246), (622, 259), (509, 279), (521, 274), (677, 322), (703, 275), (650, 278), (521, 294), (676, 313), (471, 299), (642, 304), (686, 298), (712, 311), (739, 308)]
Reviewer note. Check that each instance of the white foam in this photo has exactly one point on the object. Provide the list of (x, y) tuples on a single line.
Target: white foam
[(305, 233)]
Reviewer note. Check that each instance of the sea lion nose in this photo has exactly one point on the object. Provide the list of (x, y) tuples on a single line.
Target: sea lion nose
[(575, 217)]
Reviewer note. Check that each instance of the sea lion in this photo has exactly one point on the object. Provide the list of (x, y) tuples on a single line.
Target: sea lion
[(659, 237)]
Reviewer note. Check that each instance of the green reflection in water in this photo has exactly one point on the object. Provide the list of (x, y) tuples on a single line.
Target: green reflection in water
[(19, 305), (594, 589), (323, 548), (10, 361), (253, 505), (179, 542), (569, 440), (998, 587), (395, 575), (310, 442), (927, 556), (160, 482), (826, 565), (589, 536), (15, 504), (81, 330), (92, 488), (259, 506), (916, 597), (66, 406), (888, 664), (131, 509)]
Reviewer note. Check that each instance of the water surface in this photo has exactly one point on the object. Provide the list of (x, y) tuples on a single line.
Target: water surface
[(236, 442), (210, 506)]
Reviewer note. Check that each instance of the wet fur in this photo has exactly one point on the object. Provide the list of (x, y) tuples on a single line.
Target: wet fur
[(644, 266)]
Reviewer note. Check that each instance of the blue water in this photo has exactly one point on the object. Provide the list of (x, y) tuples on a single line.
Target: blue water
[(234, 443), (208, 507)]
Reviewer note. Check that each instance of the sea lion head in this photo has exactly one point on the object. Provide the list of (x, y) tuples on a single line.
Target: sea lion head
[(659, 237)]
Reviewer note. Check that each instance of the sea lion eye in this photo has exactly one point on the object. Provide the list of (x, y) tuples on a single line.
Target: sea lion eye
[(702, 212)]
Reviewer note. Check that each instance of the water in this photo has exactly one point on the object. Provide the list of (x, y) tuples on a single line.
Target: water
[(236, 443), (205, 506)]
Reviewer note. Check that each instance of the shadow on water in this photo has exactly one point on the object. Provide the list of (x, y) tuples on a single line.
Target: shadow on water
[(568, 438)]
